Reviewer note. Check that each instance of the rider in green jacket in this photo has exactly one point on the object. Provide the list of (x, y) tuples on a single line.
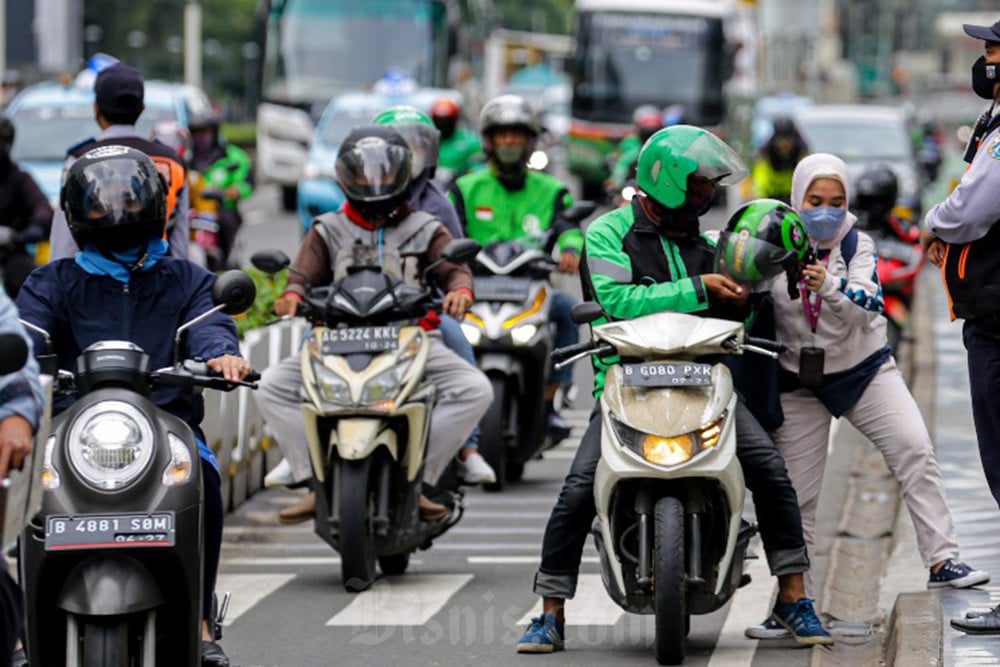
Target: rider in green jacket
[(507, 202), (460, 150)]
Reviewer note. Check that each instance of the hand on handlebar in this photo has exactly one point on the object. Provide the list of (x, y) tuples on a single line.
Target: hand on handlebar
[(456, 303), (569, 262), (231, 367), (15, 443), (724, 288), (286, 305)]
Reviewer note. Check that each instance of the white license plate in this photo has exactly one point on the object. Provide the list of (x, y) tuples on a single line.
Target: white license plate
[(667, 375)]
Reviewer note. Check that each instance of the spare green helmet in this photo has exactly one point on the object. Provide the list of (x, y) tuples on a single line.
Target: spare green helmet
[(762, 238), (418, 129), (677, 152)]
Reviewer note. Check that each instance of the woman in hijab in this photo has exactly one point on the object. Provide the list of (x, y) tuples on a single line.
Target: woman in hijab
[(838, 364)]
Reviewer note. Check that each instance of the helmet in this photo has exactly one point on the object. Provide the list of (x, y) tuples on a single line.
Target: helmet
[(445, 114), (373, 170), (419, 132), (644, 110), (200, 120), (783, 126), (875, 191), (762, 238), (173, 135), (647, 125), (508, 111), (114, 197), (675, 153), (6, 129)]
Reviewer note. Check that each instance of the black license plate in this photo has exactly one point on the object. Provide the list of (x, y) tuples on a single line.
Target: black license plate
[(501, 288), (354, 340), (108, 531), (666, 375)]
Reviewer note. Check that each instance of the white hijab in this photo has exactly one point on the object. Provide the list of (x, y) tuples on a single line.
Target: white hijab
[(822, 165)]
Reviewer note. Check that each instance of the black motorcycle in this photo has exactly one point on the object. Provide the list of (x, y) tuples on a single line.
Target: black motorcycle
[(112, 565)]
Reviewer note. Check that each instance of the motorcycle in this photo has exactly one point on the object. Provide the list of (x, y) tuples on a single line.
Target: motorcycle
[(668, 488), (508, 328), (367, 413), (206, 205), (112, 565)]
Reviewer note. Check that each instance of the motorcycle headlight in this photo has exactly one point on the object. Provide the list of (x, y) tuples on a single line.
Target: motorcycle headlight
[(178, 471), (50, 476), (381, 391), (473, 334), (110, 444), (523, 334), (674, 450), (331, 386)]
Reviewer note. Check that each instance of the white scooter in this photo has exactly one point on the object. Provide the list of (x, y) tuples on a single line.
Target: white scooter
[(669, 488)]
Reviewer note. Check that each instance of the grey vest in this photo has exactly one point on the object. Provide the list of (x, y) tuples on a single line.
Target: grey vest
[(399, 253)]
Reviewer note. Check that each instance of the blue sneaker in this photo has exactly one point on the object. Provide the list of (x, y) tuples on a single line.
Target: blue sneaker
[(767, 629), (801, 620), (544, 635), (957, 574)]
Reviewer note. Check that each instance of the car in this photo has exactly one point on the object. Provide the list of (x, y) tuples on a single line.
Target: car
[(863, 135), (318, 191), (51, 117), (766, 109)]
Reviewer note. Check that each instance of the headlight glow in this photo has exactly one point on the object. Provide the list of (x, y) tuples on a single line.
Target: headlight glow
[(674, 450), (110, 444), (381, 391), (473, 334), (50, 476), (534, 308), (538, 160), (668, 451), (331, 386), (523, 334), (178, 471)]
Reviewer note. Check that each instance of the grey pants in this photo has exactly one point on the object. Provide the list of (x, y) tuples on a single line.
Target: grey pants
[(463, 396)]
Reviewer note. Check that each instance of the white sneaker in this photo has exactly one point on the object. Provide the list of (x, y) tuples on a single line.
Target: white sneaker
[(767, 629), (281, 475), (475, 470)]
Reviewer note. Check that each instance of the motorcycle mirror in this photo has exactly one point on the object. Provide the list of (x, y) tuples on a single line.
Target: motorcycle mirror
[(579, 210), (586, 312), (270, 261), (235, 291), (13, 352), (461, 251)]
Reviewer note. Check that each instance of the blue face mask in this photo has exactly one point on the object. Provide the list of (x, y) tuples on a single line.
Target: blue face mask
[(823, 222)]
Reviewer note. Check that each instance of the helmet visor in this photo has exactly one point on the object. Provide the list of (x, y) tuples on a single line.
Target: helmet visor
[(117, 192), (716, 160), (373, 170), (749, 259), (424, 145)]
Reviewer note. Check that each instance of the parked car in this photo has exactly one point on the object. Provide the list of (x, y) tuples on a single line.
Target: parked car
[(318, 191), (51, 117), (863, 135)]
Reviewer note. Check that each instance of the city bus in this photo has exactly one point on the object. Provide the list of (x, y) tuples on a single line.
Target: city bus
[(634, 52), (313, 50)]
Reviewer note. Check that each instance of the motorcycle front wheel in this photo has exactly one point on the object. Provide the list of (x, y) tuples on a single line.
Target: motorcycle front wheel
[(357, 538), (105, 643), (668, 587)]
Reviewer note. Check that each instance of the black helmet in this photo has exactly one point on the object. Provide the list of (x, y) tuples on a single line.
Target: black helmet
[(202, 119), (6, 129), (373, 170), (875, 191), (784, 126), (114, 197)]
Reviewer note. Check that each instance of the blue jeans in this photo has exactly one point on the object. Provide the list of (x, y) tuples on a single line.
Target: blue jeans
[(455, 340), (567, 333)]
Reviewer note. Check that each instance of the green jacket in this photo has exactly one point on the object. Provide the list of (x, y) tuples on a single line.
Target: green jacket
[(231, 169), (490, 212), (628, 154), (770, 183), (632, 270), (460, 152)]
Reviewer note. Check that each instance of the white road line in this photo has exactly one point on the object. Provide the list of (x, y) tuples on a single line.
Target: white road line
[(278, 560), (751, 604), (517, 560), (407, 600), (590, 606), (248, 590)]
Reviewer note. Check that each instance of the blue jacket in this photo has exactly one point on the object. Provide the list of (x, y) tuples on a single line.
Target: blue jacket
[(20, 392), (79, 309)]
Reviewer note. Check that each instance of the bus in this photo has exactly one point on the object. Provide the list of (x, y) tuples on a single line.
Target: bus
[(314, 50), (634, 52)]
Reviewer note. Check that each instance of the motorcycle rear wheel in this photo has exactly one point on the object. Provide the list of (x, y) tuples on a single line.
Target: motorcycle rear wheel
[(493, 433), (669, 576), (357, 538), (105, 643)]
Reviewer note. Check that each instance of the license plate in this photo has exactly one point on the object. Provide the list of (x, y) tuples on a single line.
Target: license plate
[(355, 340), (666, 375), (108, 531), (501, 288)]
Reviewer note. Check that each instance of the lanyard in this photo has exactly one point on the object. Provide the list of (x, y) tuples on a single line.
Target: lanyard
[(811, 305)]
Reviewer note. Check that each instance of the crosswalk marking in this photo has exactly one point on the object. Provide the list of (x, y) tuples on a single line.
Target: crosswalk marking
[(590, 606), (249, 589), (406, 600), (750, 605)]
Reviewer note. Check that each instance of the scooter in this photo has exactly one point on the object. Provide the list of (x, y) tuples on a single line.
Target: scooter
[(112, 564), (508, 328), (668, 488), (367, 412)]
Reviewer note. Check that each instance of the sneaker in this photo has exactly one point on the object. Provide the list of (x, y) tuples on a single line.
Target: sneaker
[(956, 574), (556, 428), (800, 619), (475, 470), (544, 635), (767, 629), (212, 655), (280, 476), (304, 510)]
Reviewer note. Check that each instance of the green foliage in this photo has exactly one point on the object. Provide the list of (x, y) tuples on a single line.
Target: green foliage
[(240, 134), (269, 288), (551, 16)]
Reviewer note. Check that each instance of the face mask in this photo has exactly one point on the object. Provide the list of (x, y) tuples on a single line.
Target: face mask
[(823, 222), (509, 156), (984, 78)]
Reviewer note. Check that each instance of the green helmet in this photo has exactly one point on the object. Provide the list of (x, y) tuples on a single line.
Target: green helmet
[(418, 129), (762, 238), (678, 152)]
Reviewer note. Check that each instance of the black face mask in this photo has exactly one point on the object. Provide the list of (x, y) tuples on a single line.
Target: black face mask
[(984, 78)]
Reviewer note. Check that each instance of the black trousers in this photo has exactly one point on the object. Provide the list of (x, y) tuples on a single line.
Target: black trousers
[(763, 469), (983, 350), (11, 614)]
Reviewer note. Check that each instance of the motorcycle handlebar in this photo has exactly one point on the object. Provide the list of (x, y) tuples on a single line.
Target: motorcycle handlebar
[(765, 343)]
